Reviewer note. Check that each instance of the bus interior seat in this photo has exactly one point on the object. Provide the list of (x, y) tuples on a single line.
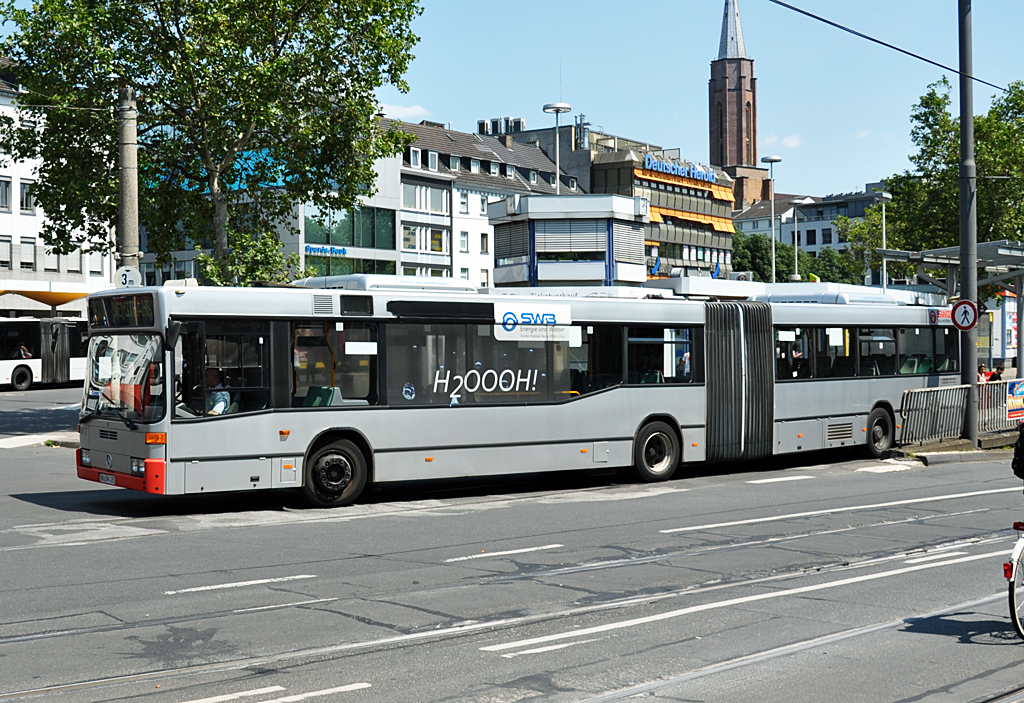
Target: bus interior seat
[(885, 365), (317, 396), (803, 368), (652, 377), (909, 365), (578, 381), (233, 408), (926, 365), (824, 366), (942, 364), (869, 367), (843, 367)]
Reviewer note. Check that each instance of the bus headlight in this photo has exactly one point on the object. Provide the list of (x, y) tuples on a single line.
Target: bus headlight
[(86, 460), (138, 466)]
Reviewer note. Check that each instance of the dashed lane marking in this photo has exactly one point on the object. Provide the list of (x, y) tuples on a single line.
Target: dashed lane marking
[(239, 584), (780, 479), (484, 555)]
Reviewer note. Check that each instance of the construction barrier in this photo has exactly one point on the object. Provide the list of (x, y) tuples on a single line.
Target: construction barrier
[(934, 413)]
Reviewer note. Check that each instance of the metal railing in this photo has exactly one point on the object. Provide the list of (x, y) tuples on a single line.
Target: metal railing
[(934, 413), (992, 407)]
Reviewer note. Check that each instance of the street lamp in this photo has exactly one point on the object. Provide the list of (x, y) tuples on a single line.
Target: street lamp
[(771, 161), (796, 203), (883, 196), (558, 109)]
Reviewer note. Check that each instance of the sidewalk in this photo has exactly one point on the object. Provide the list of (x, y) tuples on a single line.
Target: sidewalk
[(66, 438), (993, 448)]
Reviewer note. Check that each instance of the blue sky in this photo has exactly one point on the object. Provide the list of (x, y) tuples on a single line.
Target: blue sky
[(836, 108)]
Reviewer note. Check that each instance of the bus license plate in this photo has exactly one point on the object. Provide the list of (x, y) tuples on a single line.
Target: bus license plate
[(107, 478)]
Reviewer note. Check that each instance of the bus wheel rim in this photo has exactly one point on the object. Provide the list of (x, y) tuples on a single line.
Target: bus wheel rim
[(656, 453), (334, 473)]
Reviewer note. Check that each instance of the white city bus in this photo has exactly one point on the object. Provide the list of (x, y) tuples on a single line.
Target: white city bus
[(41, 351), (198, 390)]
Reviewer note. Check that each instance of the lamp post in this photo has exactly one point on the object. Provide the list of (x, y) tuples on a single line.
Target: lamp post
[(558, 109), (883, 196), (796, 203), (771, 161)]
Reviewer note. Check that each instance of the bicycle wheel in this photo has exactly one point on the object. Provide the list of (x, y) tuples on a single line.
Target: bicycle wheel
[(1017, 596)]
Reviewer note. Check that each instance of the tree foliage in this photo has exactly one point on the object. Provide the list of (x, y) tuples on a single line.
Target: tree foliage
[(753, 252), (259, 104), (250, 259)]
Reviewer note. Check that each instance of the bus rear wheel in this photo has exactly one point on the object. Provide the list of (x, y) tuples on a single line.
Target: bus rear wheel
[(656, 453), (880, 433), (334, 475), (21, 379)]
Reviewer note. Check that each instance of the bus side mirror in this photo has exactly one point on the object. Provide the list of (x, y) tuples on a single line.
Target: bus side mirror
[(173, 332)]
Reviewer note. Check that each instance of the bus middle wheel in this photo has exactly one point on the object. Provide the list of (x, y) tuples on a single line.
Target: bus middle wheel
[(880, 433), (656, 452), (21, 379), (335, 475)]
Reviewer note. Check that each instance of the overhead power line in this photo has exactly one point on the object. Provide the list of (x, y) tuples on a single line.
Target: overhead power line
[(885, 44)]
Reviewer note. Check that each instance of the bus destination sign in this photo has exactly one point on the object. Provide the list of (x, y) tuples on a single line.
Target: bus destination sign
[(121, 311)]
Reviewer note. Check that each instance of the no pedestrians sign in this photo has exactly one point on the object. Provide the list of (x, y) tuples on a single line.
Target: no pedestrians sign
[(965, 315)]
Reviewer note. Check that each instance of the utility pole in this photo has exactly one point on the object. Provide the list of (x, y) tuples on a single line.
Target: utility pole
[(128, 181), (968, 222)]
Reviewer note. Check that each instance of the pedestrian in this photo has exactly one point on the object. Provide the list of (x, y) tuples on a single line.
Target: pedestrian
[(997, 375), (982, 375)]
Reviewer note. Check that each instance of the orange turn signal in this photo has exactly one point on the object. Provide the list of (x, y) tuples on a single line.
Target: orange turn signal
[(284, 433), (429, 458), (583, 451), (156, 438)]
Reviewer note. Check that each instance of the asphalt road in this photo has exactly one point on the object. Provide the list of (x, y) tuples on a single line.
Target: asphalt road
[(809, 579), (40, 410)]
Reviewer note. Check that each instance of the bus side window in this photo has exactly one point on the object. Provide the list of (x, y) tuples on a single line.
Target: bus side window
[(877, 351), (834, 353), (947, 350), (597, 362), (661, 355), (794, 353), (916, 347), (334, 363)]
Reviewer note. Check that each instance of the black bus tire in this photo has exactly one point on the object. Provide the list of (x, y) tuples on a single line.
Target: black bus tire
[(335, 475), (880, 433), (21, 378), (656, 453)]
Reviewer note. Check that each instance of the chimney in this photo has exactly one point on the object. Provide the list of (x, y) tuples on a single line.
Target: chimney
[(506, 139)]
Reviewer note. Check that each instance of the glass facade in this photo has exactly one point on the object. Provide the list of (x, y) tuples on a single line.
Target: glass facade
[(368, 227)]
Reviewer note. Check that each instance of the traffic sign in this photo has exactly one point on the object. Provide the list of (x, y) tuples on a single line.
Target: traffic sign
[(965, 315), (127, 277)]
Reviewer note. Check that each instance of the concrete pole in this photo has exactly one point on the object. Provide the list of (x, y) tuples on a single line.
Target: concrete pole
[(883, 245), (968, 221), (771, 181), (558, 158), (128, 181)]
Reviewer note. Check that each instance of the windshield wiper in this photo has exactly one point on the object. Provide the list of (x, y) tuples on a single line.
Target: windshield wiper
[(113, 406)]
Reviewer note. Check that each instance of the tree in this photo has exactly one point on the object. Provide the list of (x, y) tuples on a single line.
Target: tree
[(248, 260), (260, 104), (833, 266)]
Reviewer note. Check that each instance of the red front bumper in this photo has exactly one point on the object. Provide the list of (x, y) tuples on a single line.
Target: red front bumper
[(152, 482)]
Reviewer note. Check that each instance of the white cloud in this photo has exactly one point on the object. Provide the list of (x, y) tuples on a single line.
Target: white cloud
[(862, 134), (770, 139), (405, 112), (792, 141)]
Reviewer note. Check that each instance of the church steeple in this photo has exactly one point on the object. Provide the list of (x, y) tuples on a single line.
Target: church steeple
[(733, 97), (731, 44)]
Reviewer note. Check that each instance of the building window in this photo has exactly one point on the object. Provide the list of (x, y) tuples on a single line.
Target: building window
[(572, 184), (484, 278), (474, 165), (438, 273), (5, 252), (409, 238), (494, 168), (432, 160), (812, 237), (438, 200), (408, 196), (408, 271), (414, 158), (28, 254), (453, 163), (464, 203), (483, 205), (51, 261), (510, 171), (437, 241), (464, 274), (28, 201), (533, 177), (74, 261), (464, 243), (826, 235), (5, 194), (485, 243)]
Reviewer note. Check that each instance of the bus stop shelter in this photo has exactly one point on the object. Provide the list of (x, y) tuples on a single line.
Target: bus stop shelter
[(1002, 263)]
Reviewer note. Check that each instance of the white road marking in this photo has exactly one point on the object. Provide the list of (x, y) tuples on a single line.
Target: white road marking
[(849, 508), (240, 584), (501, 554), (236, 696), (933, 557), (607, 496), (779, 480), (314, 694), (285, 605), (731, 602), (886, 468), (551, 648), (23, 441)]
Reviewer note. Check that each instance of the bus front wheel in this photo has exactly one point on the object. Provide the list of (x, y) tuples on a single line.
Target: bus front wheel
[(656, 453), (880, 433), (334, 475), (21, 379)]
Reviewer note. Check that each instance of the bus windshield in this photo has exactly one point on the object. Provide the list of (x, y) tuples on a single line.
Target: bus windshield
[(125, 377)]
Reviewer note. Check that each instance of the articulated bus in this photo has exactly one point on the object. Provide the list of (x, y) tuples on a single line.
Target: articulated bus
[(381, 378), (41, 351)]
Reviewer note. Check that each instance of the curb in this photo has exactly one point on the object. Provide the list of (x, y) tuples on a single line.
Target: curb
[(964, 457)]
